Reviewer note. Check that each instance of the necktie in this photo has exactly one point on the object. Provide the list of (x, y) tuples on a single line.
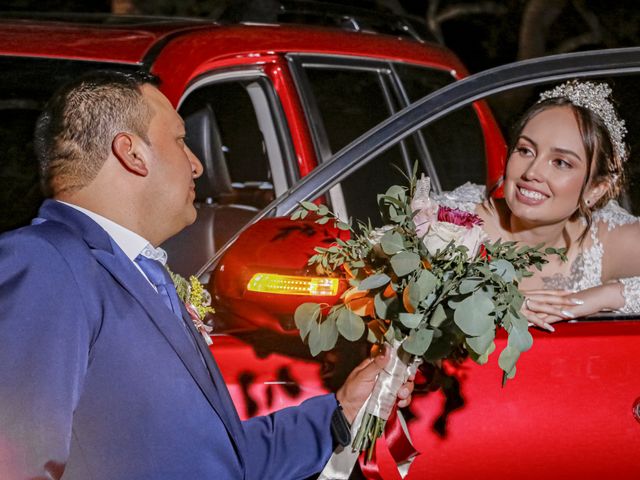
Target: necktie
[(160, 278)]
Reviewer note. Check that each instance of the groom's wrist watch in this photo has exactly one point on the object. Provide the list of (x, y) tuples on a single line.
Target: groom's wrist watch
[(340, 428)]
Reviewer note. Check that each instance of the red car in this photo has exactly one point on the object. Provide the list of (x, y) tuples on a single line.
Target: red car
[(267, 105)]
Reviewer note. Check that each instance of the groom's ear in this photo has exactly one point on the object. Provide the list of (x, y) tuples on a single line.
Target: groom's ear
[(131, 152)]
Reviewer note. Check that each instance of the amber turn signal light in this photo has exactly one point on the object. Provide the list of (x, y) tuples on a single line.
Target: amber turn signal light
[(293, 285)]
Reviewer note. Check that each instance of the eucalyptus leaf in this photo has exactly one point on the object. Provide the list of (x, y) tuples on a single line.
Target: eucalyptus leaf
[(380, 306), (418, 341), (328, 333), (391, 242), (484, 358), (312, 207), (472, 314), (520, 339), (410, 320), (304, 316), (389, 335), (427, 282), (396, 192), (468, 285), (404, 263), (350, 325), (438, 316), (315, 339), (508, 358), (481, 344), (374, 281), (504, 268), (412, 294)]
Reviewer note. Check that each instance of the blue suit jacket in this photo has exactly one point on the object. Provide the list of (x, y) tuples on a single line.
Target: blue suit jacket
[(98, 375)]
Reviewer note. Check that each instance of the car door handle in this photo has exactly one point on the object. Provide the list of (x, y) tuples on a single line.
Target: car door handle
[(636, 409)]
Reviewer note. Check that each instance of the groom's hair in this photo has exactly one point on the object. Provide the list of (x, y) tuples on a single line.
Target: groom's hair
[(74, 133)]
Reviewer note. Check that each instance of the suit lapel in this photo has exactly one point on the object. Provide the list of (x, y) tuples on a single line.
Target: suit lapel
[(114, 260)]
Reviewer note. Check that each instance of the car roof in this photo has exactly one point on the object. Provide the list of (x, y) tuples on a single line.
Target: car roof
[(137, 40)]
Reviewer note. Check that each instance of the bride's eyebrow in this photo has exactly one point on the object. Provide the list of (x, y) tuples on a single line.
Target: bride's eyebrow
[(524, 137), (566, 151)]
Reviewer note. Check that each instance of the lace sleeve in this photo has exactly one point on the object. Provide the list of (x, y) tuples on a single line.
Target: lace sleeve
[(631, 294), (613, 215), (466, 197)]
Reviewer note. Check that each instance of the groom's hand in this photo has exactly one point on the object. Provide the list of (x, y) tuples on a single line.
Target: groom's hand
[(360, 382)]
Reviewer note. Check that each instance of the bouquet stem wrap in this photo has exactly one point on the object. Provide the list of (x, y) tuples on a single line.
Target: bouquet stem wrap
[(372, 418)]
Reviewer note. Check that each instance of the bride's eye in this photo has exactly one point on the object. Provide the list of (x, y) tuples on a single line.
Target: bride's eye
[(523, 151), (561, 163)]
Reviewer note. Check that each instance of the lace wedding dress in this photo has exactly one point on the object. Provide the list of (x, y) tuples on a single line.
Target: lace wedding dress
[(586, 272)]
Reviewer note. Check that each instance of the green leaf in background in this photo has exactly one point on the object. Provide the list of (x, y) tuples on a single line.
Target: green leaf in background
[(481, 343), (504, 268), (374, 281), (438, 316), (508, 358), (404, 263), (427, 283), (472, 314), (410, 320), (304, 316), (418, 341), (350, 325), (391, 242)]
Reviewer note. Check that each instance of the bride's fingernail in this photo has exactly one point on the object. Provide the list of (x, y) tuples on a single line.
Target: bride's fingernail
[(567, 314), (549, 327), (577, 301)]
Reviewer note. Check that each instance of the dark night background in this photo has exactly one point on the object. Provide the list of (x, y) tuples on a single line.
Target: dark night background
[(482, 33)]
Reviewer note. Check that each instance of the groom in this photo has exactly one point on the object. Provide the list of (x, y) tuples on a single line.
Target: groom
[(99, 377)]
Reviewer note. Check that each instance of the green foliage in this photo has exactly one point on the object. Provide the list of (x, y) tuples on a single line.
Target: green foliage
[(440, 306)]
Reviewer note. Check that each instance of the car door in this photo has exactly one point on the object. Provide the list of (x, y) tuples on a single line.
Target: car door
[(572, 410)]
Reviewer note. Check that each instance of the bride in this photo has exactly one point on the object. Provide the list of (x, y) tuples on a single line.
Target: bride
[(563, 173)]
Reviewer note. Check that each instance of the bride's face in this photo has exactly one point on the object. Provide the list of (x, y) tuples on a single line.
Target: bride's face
[(547, 168)]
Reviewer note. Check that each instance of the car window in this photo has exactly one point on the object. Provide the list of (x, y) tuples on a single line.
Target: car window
[(455, 143), (350, 102), (243, 162)]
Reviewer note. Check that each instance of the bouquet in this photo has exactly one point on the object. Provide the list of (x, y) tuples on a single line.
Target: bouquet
[(427, 284)]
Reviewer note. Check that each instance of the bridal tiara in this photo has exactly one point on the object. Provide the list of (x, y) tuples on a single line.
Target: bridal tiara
[(594, 97)]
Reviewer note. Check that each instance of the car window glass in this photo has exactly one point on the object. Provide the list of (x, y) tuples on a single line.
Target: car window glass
[(351, 102), (239, 155), (454, 143)]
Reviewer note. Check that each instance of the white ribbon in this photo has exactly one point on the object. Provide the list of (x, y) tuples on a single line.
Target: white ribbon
[(380, 403)]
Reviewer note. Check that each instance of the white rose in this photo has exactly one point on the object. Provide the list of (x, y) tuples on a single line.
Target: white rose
[(440, 234)]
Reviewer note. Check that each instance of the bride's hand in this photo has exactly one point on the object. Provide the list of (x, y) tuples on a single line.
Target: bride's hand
[(544, 307)]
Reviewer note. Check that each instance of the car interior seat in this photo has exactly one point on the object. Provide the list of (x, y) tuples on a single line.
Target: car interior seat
[(219, 218)]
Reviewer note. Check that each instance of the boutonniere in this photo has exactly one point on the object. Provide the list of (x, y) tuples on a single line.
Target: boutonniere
[(196, 300)]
